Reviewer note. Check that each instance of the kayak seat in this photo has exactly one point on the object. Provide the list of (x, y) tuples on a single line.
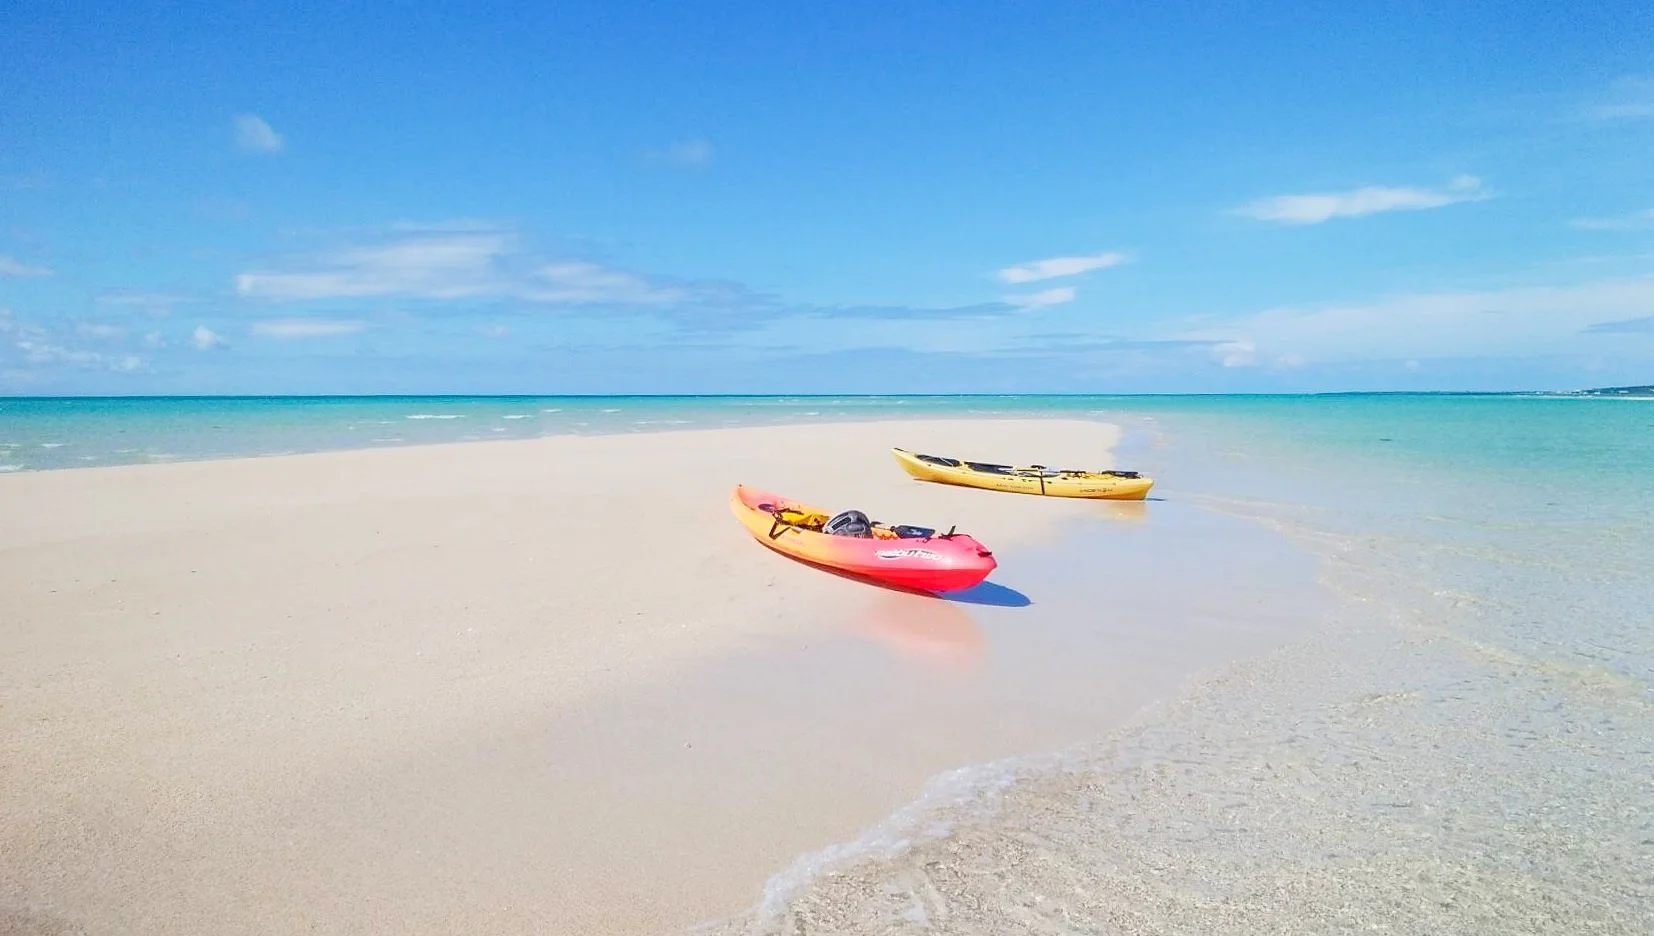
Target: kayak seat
[(849, 523)]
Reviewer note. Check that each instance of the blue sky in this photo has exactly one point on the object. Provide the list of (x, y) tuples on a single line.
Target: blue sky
[(743, 197)]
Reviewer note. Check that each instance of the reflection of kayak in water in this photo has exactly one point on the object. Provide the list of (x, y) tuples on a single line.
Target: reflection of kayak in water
[(929, 630), (1123, 511)]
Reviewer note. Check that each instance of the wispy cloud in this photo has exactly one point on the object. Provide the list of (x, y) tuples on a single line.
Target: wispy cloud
[(474, 263), (38, 351), (687, 154), (152, 303), (205, 339), (436, 265), (1237, 353), (99, 330), (153, 339), (1635, 221), (980, 310), (578, 282), (11, 266), (1636, 326), (449, 265), (291, 328), (253, 135), (1512, 322), (1043, 298), (1053, 267), (1318, 207)]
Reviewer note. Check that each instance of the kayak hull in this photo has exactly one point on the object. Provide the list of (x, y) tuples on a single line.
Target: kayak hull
[(930, 564), (1092, 485)]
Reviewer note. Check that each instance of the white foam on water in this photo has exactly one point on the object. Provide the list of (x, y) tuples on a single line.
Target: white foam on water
[(518, 416), (387, 439), (52, 445), (553, 409), (7, 468), (976, 788), (435, 416)]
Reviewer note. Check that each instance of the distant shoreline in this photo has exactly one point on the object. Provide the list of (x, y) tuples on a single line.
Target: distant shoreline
[(849, 395)]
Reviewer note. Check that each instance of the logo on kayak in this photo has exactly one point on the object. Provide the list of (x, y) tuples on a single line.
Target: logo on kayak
[(908, 554)]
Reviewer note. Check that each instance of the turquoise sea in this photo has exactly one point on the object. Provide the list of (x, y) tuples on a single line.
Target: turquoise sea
[(70, 432), (1465, 746)]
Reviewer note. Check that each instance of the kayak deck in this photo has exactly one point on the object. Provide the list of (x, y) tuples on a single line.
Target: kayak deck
[(902, 555), (1033, 479)]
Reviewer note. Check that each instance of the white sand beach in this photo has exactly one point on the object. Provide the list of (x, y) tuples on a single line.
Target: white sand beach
[(546, 685)]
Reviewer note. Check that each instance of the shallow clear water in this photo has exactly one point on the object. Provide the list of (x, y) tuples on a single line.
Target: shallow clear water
[(40, 434), (1466, 747), (48, 433)]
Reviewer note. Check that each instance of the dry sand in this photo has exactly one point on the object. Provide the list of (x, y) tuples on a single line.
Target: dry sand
[(539, 686)]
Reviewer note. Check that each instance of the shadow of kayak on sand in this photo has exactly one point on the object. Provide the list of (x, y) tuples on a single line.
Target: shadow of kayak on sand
[(992, 594)]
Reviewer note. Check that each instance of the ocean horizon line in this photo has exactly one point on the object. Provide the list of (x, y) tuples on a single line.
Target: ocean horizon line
[(798, 396)]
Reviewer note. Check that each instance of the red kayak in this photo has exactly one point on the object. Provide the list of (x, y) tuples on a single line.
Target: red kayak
[(904, 556)]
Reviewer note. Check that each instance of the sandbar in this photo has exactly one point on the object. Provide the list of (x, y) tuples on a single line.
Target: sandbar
[(548, 685)]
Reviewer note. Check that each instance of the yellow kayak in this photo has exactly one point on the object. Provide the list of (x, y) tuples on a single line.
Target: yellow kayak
[(1034, 479)]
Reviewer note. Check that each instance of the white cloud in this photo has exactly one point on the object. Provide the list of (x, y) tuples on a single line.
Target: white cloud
[(42, 352), (1059, 266), (253, 135), (582, 282), (493, 331), (1635, 221), (1240, 353), (154, 339), (1040, 300), (688, 154), (11, 266), (205, 339), (305, 328), (461, 264), (1324, 206), (157, 304), (98, 330), (1512, 322), (36, 351), (427, 266)]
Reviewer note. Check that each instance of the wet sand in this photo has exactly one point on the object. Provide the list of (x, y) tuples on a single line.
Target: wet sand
[(549, 685)]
